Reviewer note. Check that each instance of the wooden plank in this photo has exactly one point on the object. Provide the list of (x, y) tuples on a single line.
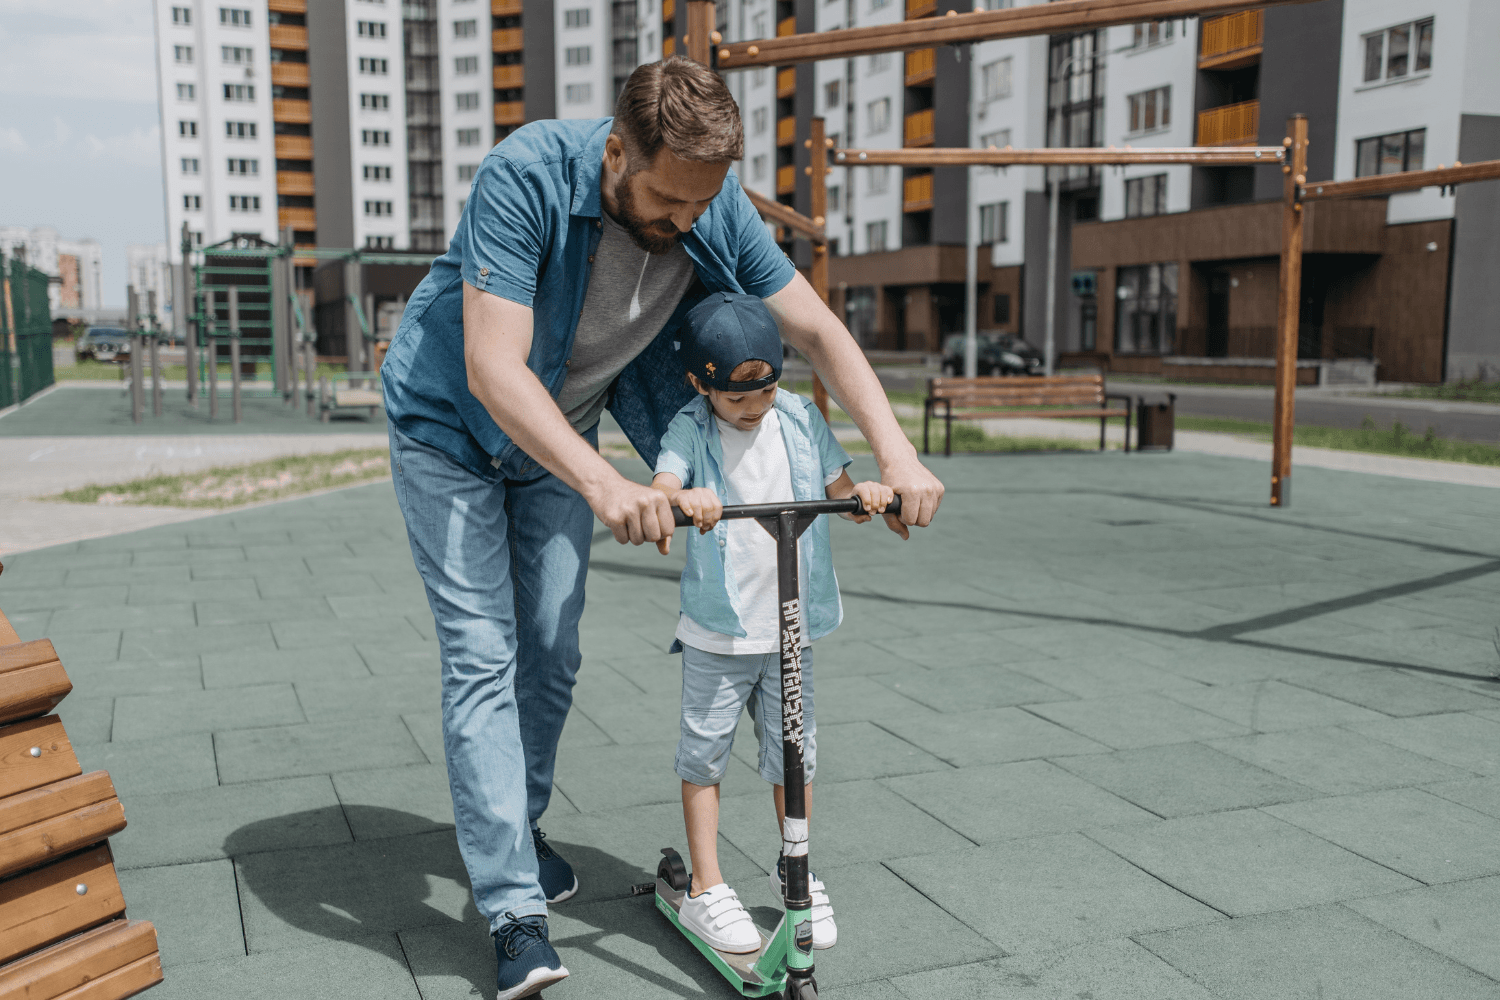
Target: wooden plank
[(8, 634), (125, 982), (87, 963), (1364, 187), (1008, 157), (1288, 313), (44, 906), (779, 213), (1005, 414), (54, 820), (35, 753), (32, 680)]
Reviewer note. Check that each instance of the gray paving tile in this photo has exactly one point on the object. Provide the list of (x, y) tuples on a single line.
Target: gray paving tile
[(1396, 693), (373, 969), (87, 719), (1335, 761), (1462, 739), (86, 647), (396, 801), (17, 599), (278, 586), (860, 699), (966, 689), (361, 606), (1479, 794), (844, 655), (427, 729), (1047, 893), (961, 649), (1321, 953), (597, 778), (384, 661), (151, 716), (367, 697), (1137, 720), (196, 910), (993, 736), (1011, 801), (852, 751), (1117, 968), (338, 632), (1248, 862), (236, 588), (145, 643), (103, 575), (151, 767), (275, 609), (314, 748), (1267, 706), (186, 556), (210, 823), (1456, 920), (119, 677), (1101, 675), (282, 666)]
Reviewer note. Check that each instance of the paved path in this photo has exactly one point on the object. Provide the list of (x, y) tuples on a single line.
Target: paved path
[(1113, 729)]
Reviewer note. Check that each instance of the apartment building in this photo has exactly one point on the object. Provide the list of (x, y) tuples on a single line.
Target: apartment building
[(72, 266), (148, 271)]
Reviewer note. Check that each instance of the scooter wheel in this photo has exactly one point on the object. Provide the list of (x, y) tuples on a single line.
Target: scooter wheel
[(671, 870), (802, 991)]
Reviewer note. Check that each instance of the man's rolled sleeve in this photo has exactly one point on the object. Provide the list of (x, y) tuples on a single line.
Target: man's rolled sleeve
[(505, 225), (677, 449)]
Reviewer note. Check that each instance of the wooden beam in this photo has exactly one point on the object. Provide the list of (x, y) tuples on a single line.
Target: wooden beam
[(818, 170), (1007, 157), (700, 22), (1288, 312), (1364, 187), (1016, 22), (779, 213)]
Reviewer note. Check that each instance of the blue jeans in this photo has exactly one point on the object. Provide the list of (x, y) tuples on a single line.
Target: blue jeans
[(504, 562), (716, 688)]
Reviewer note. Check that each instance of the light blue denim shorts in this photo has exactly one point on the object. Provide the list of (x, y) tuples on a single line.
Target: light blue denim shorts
[(716, 688)]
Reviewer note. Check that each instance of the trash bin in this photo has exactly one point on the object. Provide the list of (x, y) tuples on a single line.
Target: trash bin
[(1154, 423)]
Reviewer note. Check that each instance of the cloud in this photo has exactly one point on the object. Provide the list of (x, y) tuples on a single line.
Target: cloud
[(77, 48), (141, 146), (12, 141)]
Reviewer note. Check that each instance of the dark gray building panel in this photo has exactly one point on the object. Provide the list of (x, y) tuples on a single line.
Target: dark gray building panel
[(333, 159), (539, 32), (950, 126), (1473, 341), (1299, 74)]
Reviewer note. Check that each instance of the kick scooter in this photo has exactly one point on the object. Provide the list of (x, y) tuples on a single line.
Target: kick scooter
[(784, 964)]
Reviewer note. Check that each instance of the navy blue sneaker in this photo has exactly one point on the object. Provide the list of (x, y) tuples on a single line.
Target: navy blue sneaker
[(555, 875), (526, 960)]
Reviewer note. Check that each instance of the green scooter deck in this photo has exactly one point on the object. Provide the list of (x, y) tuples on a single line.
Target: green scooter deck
[(754, 974)]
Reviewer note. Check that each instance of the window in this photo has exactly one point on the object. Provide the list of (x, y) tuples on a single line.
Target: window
[(187, 130), (192, 203), (1146, 313), (758, 26), (182, 54), (758, 76), (833, 93), (237, 55), (1399, 52), (879, 4), (577, 18), (375, 102), (758, 119), (835, 199), (190, 165), (578, 93), (374, 137), (1146, 196), (380, 242), (468, 137), (197, 238), (1150, 109), (377, 173), (186, 92), (578, 55), (370, 29), (994, 4), (379, 208), (239, 130), (466, 65), (994, 222), (374, 67), (880, 115), (1390, 154), (467, 101), (994, 80), (239, 92), (182, 15), (465, 29), (244, 167), (1152, 33), (1002, 307), (758, 168), (234, 17), (466, 171), (879, 62), (875, 236), (244, 203), (879, 179)]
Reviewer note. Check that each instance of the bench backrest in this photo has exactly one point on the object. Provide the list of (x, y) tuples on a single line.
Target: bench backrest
[(1021, 390)]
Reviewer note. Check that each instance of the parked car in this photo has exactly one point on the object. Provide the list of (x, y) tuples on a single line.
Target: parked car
[(999, 354), (103, 343)]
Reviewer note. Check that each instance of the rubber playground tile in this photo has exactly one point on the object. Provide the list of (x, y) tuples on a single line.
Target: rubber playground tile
[(17, 599), (1136, 720), (1456, 920), (290, 570), (860, 699), (1394, 692), (366, 697), (396, 631), (1227, 662), (222, 533), (355, 585), (196, 910), (24, 564), (1421, 835), (283, 666), (601, 778), (30, 625), (628, 717), (373, 969), (990, 736), (853, 751), (110, 617), (87, 719), (154, 556), (274, 609), (879, 989), (235, 588), (966, 689), (1046, 893), (1319, 953), (284, 551), (397, 801), (1479, 794), (1336, 761), (383, 661), (205, 824), (1087, 641), (654, 674), (842, 655), (360, 605), (1012, 801), (119, 677), (1462, 739), (1101, 676), (1268, 706), (155, 766), (1249, 862), (144, 717), (1116, 968), (85, 647), (143, 642), (95, 576), (427, 729), (314, 748)]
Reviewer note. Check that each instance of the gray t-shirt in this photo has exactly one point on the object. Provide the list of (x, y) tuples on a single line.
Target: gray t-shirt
[(631, 296)]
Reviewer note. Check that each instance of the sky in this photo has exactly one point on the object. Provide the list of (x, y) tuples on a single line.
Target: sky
[(80, 136)]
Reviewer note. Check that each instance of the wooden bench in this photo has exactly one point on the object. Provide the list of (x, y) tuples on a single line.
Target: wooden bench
[(63, 931), (331, 397), (1001, 397)]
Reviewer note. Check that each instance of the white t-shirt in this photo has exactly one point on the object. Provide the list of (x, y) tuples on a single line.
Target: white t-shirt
[(756, 470)]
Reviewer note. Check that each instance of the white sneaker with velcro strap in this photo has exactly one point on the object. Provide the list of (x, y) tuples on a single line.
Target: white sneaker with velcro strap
[(718, 917), (825, 931)]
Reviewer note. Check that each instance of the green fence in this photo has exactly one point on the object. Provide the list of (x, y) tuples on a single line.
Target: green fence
[(25, 333)]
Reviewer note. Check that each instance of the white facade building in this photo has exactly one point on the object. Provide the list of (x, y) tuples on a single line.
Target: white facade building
[(1151, 74), (585, 84), (377, 124), (468, 99), (148, 269), (64, 262)]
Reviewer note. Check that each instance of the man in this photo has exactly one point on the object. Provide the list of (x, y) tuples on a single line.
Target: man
[(582, 247)]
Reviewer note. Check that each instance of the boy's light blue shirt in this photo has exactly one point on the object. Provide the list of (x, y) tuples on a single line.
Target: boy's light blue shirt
[(691, 450)]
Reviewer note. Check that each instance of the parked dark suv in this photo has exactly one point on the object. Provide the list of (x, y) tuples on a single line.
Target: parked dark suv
[(999, 354), (103, 343)]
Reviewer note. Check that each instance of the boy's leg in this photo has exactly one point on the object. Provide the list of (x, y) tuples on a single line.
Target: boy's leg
[(714, 689), (700, 812)]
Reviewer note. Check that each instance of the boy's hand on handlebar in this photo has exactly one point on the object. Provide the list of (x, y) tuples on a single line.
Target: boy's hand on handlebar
[(703, 506), (873, 497)]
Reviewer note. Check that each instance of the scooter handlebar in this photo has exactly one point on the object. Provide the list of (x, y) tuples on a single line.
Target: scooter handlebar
[(848, 505)]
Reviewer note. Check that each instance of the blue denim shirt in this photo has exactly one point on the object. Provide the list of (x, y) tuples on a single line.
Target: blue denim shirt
[(528, 234), (691, 451)]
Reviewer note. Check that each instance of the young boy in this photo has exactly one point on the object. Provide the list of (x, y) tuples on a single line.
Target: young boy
[(744, 441)]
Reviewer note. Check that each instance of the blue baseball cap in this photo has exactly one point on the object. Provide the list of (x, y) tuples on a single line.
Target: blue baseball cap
[(723, 332)]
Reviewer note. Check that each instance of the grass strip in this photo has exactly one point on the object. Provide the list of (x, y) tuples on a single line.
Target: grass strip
[(88, 370), (1464, 390), (234, 486)]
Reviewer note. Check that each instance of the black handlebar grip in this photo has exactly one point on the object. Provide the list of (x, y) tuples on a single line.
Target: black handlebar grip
[(848, 505)]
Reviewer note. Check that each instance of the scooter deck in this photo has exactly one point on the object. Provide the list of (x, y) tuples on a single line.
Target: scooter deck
[(744, 972)]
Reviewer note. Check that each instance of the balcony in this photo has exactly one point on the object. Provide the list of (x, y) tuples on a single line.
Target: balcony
[(921, 67), (287, 6), (510, 77), (919, 128), (505, 8), (786, 82), (294, 182), (668, 8), (294, 147), (786, 130), (505, 40), (297, 218), (668, 47), (284, 109), (288, 74), (1232, 41), (786, 180), (287, 36), (917, 193), (920, 8), (510, 112), (786, 26), (1231, 125)]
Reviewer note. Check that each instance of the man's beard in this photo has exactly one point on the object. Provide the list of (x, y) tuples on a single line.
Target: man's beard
[(649, 236)]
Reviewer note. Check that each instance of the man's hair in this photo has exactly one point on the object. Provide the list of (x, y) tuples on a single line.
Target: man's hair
[(681, 105)]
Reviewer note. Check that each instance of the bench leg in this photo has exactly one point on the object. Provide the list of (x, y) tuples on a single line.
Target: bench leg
[(1127, 430), (926, 419), (1102, 421), (948, 436)]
